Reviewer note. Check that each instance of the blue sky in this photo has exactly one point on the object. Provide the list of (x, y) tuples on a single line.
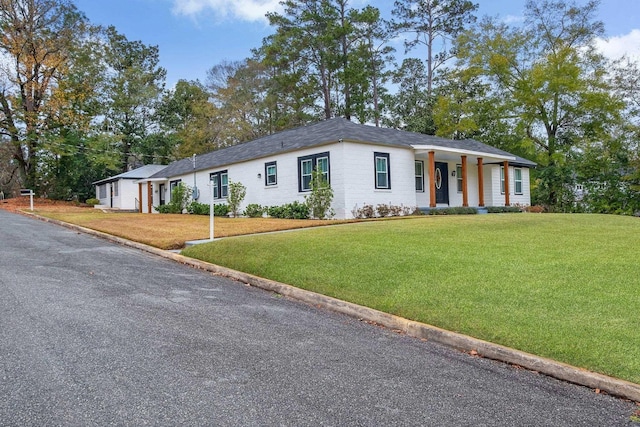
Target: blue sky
[(194, 35)]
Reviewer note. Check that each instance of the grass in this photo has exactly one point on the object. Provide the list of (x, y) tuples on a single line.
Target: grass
[(565, 287), (168, 231)]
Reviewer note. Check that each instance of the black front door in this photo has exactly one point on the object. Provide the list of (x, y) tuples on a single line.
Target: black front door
[(442, 183)]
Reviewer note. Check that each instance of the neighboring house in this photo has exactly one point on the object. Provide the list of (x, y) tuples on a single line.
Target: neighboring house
[(363, 164), (121, 191)]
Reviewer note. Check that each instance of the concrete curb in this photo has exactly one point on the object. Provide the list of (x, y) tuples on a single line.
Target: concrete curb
[(457, 341)]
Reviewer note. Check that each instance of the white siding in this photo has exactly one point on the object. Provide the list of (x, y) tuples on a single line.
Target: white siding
[(493, 195), (352, 176), (359, 171)]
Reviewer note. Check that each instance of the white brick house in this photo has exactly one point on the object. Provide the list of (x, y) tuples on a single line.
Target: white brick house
[(364, 165), (121, 191)]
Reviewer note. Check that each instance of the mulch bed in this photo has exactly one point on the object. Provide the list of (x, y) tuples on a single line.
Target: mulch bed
[(21, 203)]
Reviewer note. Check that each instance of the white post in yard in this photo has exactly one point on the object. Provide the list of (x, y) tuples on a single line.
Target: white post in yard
[(28, 192), (211, 212)]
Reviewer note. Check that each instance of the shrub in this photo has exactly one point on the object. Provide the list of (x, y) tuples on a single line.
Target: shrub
[(237, 191), (395, 210), (503, 209), (167, 209), (534, 209), (196, 208), (254, 210), (406, 210), (366, 211), (295, 210), (180, 196), (383, 210), (92, 202), (221, 209), (454, 211), (320, 198)]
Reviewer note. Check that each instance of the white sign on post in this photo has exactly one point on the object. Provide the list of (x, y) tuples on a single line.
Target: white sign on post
[(28, 192)]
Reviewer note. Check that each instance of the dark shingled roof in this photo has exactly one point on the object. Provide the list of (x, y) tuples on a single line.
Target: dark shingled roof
[(321, 133)]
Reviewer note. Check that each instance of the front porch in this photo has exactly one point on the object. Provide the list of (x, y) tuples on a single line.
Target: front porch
[(461, 178)]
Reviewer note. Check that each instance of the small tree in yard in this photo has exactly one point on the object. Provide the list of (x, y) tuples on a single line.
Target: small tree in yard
[(237, 191), (320, 198)]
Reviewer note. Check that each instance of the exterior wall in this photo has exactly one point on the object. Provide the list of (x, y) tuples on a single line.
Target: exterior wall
[(352, 177), (359, 186), (493, 195), (124, 198)]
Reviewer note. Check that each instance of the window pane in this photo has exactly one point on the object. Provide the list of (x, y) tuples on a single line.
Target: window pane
[(323, 166), (382, 180), (271, 175), (307, 167), (306, 182), (502, 179), (419, 177), (381, 172), (225, 184), (214, 182), (459, 178)]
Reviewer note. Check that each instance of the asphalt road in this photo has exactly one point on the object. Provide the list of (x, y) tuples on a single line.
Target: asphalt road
[(92, 333)]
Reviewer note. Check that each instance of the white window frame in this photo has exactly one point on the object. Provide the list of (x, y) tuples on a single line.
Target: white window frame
[(517, 181), (419, 176), (220, 187), (320, 161), (270, 179), (382, 159)]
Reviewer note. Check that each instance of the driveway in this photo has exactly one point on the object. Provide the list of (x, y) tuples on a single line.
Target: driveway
[(92, 333)]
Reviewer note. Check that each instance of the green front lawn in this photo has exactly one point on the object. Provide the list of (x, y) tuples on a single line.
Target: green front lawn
[(565, 287)]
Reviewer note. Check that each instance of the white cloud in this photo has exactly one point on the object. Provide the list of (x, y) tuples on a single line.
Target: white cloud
[(513, 19), (246, 10), (618, 46)]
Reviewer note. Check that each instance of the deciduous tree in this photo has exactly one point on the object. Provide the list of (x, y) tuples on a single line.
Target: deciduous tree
[(551, 82), (37, 40)]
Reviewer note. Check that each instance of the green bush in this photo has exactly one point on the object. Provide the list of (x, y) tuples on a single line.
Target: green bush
[(320, 197), (93, 202), (168, 209), (454, 211), (503, 209), (179, 198), (196, 208), (221, 210), (295, 210), (254, 210), (237, 191)]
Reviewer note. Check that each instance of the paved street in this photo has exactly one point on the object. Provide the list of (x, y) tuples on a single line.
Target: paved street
[(92, 333)]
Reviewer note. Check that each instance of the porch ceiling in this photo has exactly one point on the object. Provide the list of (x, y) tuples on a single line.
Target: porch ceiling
[(453, 154), (142, 181)]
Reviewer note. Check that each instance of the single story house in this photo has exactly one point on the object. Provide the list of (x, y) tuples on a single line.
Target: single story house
[(121, 191), (363, 164)]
